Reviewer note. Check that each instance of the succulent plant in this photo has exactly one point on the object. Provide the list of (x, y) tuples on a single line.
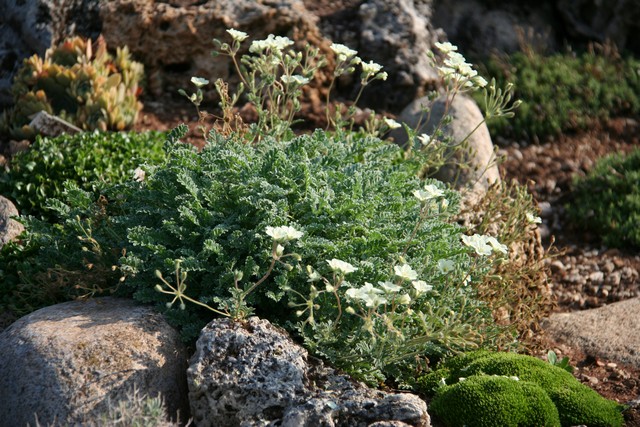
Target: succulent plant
[(80, 82)]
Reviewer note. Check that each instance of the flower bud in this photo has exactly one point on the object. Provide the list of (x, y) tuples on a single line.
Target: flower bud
[(158, 274), (350, 310), (169, 304), (158, 288)]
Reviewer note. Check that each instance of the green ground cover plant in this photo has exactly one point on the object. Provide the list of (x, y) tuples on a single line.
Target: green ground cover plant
[(576, 403), (564, 92), (607, 200), (90, 159), (331, 234)]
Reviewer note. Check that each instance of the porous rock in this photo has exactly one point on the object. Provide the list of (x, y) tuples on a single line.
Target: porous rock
[(9, 227), (66, 362), (398, 35), (252, 374), (477, 155), (174, 39)]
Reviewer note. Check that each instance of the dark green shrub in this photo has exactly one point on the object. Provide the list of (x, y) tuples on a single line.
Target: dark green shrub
[(565, 92), (89, 159), (577, 404), (488, 401), (607, 200)]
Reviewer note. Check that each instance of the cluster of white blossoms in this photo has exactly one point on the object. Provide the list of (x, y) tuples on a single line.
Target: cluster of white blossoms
[(273, 44), (484, 245), (346, 55), (455, 68)]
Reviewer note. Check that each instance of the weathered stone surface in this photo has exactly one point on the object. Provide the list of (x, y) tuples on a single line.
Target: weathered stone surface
[(482, 170), (9, 227), (610, 332), (396, 34), (614, 20), (480, 27), (46, 124), (174, 39), (253, 374), (63, 362)]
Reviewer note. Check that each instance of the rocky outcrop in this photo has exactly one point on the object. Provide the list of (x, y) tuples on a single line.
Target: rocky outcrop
[(481, 28), (467, 125), (611, 332), (9, 227), (172, 39), (614, 20), (66, 362), (253, 374)]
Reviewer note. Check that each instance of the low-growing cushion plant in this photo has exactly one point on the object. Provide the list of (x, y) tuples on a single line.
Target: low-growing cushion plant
[(89, 159), (607, 200), (564, 92), (332, 235), (576, 403)]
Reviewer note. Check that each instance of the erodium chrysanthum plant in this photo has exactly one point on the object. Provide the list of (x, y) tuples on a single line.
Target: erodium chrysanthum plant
[(337, 239)]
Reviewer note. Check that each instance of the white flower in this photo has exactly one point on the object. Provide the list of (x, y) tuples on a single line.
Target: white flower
[(342, 51), (480, 81), (272, 43), (405, 272), (283, 233), (424, 139), (370, 68), (295, 79), (404, 299), (421, 286), (446, 47), (383, 75), (392, 124), (446, 266), (478, 243), (497, 246), (199, 81), (389, 287), (139, 175), (533, 219), (238, 36), (433, 191), (372, 297), (341, 266), (279, 250)]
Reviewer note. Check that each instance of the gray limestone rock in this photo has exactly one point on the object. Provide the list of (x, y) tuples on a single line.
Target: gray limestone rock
[(479, 154), (253, 374), (65, 362), (9, 227)]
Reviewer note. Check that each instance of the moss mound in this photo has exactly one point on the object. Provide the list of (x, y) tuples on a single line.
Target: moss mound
[(576, 403), (484, 400)]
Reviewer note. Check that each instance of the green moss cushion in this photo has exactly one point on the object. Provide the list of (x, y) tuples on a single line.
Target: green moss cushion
[(488, 401)]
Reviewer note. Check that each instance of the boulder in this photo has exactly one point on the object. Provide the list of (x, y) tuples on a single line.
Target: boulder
[(67, 362), (174, 39), (611, 332), (477, 154), (253, 374), (616, 21), (480, 28), (9, 227), (396, 34)]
